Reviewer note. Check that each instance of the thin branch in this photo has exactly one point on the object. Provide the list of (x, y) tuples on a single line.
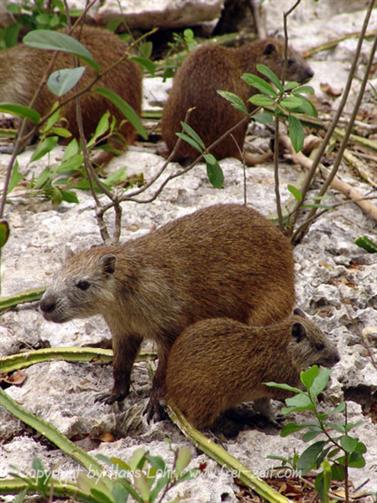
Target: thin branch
[(335, 120), (242, 156), (344, 143), (276, 175)]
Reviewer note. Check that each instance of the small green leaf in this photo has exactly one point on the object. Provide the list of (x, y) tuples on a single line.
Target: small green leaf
[(267, 72), (307, 376), (185, 137), (339, 408), (290, 428), (303, 90), (292, 102), (44, 148), (15, 178), (288, 86), (367, 244), (322, 482), (337, 472), (235, 101), (141, 484), (52, 120), (21, 111), (146, 49), (137, 459), (69, 196), (183, 459), (349, 444), (194, 135), (313, 433), (146, 63), (214, 172), (308, 459), (296, 193), (320, 381), (4, 232), (264, 87), (356, 460), (301, 400), (62, 81), (102, 128), (58, 41), (283, 386), (264, 117), (296, 133), (125, 108), (261, 100)]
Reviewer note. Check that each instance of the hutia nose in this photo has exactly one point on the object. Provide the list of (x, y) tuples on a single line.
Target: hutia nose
[(47, 304)]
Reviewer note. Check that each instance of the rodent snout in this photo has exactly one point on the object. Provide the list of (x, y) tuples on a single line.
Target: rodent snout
[(47, 304)]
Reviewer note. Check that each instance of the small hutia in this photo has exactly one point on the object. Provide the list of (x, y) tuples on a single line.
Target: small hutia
[(217, 364)]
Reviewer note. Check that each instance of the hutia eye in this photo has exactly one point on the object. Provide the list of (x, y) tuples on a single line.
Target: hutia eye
[(319, 346), (83, 284)]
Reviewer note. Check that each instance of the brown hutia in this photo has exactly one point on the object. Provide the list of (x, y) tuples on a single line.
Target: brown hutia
[(222, 261), (216, 364), (22, 69), (211, 68)]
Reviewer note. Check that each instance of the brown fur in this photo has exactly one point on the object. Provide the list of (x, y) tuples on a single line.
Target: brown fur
[(222, 261), (219, 363), (22, 68), (211, 68)]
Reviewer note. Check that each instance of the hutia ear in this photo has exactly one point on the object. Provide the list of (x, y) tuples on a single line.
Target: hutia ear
[(298, 331), (299, 312), (68, 253), (108, 263), (269, 49)]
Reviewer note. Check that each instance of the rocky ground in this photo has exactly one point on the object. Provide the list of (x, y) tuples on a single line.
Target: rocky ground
[(336, 285)]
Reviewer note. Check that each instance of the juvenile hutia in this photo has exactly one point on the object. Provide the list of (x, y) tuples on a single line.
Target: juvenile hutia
[(209, 69), (222, 261), (217, 364), (22, 69)]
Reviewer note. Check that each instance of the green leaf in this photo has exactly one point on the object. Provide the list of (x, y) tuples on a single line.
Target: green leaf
[(308, 459), (296, 193), (335, 426), (301, 401), (307, 376), (313, 433), (235, 100), (356, 460), (320, 382), (288, 86), (292, 102), (337, 472), (11, 34), (137, 459), (267, 72), (322, 482), (4, 232), (157, 462), (214, 172), (349, 444), (296, 133), (290, 428), (159, 485), (307, 107), (125, 108), (102, 128), (146, 63), (62, 81), (365, 243), (44, 148), (71, 164), (146, 49), (303, 90), (15, 178), (115, 178), (185, 137), (141, 484), (283, 386), (339, 408), (21, 111), (52, 120), (183, 459), (261, 100), (69, 196), (57, 41), (352, 425), (264, 87), (194, 135), (264, 117)]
